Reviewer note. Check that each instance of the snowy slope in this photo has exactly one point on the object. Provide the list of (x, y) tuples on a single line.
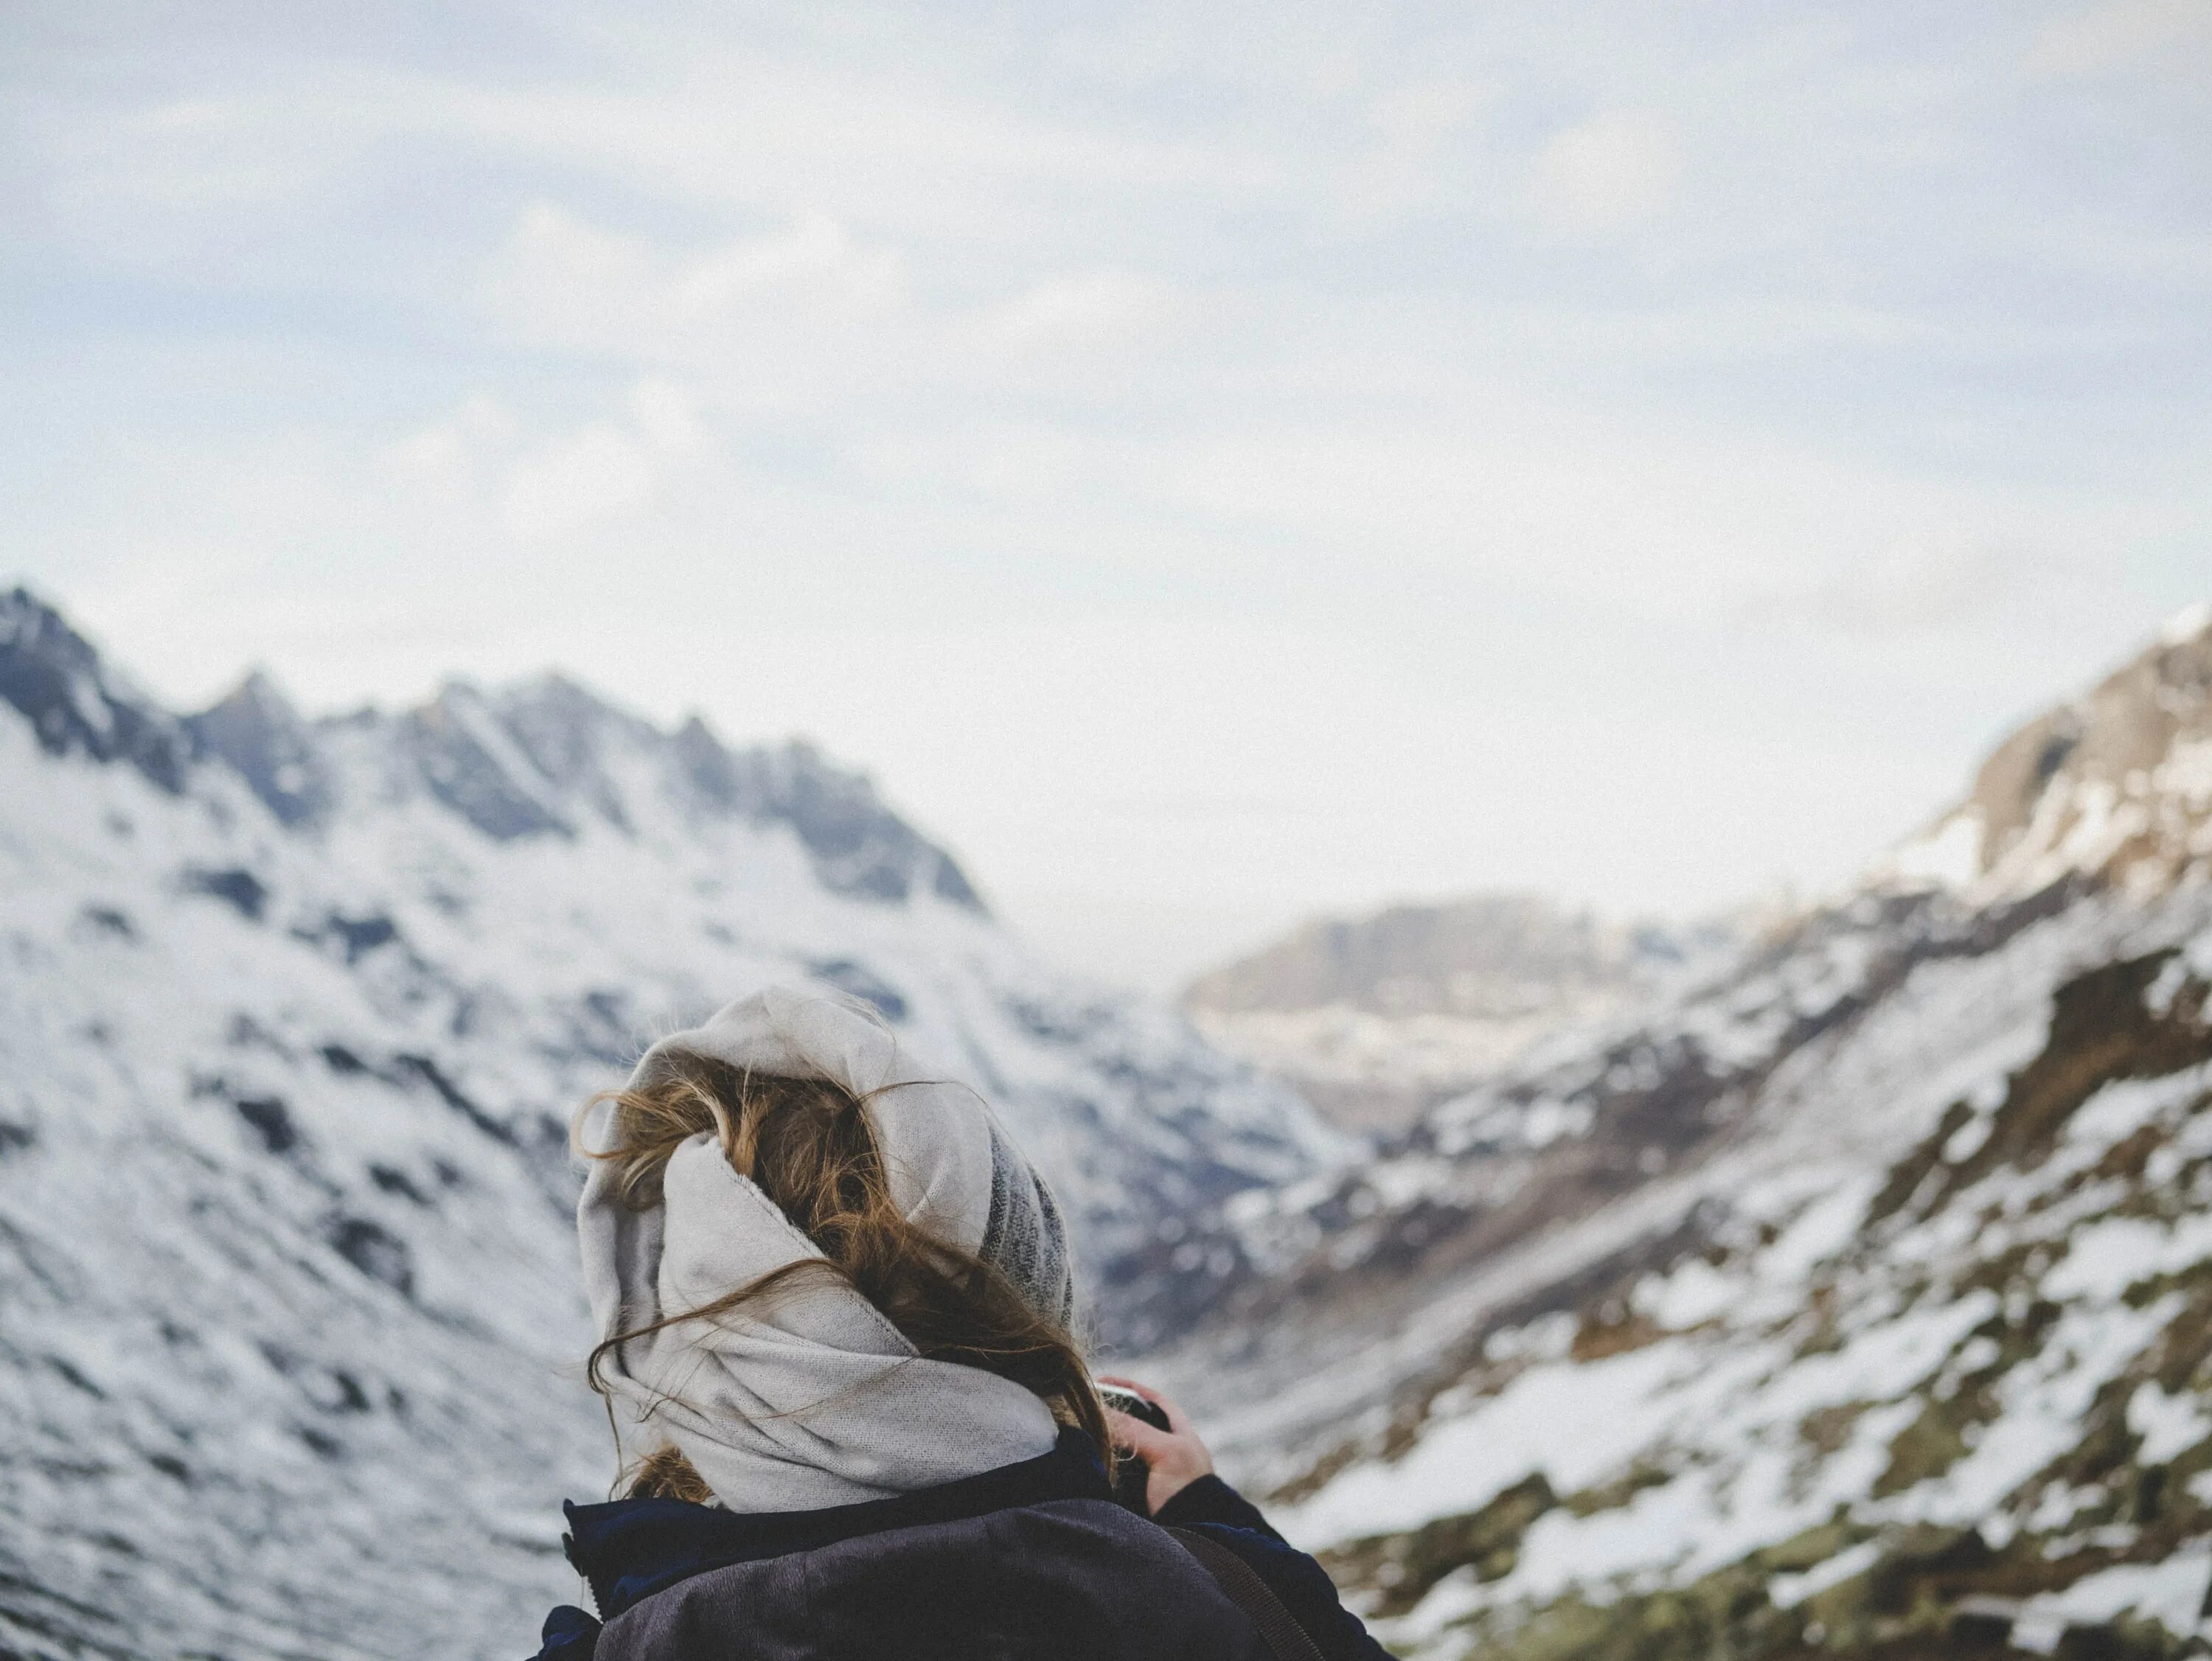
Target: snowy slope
[(1859, 1301), (292, 1017)]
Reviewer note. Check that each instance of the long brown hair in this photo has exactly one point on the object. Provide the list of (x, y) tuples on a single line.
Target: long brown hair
[(807, 1145)]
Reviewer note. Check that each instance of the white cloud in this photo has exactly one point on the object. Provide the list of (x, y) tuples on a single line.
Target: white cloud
[(477, 462), (2125, 33), (1606, 174), (586, 476), (1937, 584), (856, 141), (478, 459), (562, 281), (447, 457), (1407, 168), (1091, 308), (815, 264), (811, 318), (205, 153), (602, 469), (667, 418)]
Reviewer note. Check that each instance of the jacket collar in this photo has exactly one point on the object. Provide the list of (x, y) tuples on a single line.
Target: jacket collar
[(629, 1550)]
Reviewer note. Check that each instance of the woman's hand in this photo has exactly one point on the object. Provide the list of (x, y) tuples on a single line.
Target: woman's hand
[(1174, 1457)]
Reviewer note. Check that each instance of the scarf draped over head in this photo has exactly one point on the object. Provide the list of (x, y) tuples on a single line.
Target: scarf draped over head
[(808, 1396)]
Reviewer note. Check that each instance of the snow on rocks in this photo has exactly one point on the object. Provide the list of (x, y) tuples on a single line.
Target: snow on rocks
[(2002, 1339)]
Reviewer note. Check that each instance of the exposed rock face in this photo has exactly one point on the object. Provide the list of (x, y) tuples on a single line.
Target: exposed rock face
[(258, 732), (77, 705), (293, 1015), (1856, 1301), (1379, 1018), (2116, 784), (536, 760), (1500, 954)]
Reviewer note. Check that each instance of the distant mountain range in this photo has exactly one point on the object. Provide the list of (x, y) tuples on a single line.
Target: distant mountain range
[(1380, 1018), (1853, 1299), (293, 1015)]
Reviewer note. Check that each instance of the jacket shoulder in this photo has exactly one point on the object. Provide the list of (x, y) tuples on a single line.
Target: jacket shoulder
[(1082, 1580)]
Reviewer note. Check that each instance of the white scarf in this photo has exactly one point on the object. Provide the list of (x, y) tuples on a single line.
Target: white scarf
[(808, 1397)]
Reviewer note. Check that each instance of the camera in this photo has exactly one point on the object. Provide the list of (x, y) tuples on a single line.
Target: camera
[(1132, 1474)]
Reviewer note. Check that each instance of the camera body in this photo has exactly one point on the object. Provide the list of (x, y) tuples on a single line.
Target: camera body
[(1132, 1474)]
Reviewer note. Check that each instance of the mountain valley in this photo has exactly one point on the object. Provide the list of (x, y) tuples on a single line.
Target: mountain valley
[(1830, 1283), (1852, 1301), (1382, 1018)]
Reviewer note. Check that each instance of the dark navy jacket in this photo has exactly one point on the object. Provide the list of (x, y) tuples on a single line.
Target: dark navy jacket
[(1031, 1559)]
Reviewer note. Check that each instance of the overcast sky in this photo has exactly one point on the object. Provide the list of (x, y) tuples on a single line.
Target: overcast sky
[(1212, 463)]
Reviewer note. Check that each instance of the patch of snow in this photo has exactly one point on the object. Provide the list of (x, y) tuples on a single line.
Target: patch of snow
[(2186, 771), (1547, 1338), (1787, 1591), (2169, 1593), (2103, 825), (2121, 1108), (1448, 1602), (1692, 1294), (1967, 1140), (1573, 1423), (1880, 1363), (2061, 1502), (1546, 1122), (1402, 1182), (2187, 625), (1950, 856), (2168, 1425), (2107, 1257), (2042, 1404), (1826, 1226)]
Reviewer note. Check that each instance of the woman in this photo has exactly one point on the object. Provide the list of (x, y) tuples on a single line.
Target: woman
[(835, 1305)]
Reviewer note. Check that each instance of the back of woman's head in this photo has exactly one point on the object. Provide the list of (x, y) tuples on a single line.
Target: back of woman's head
[(807, 1145)]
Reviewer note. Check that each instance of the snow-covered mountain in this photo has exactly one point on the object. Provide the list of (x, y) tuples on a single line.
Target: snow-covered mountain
[(1376, 1018), (1856, 1301), (293, 1015)]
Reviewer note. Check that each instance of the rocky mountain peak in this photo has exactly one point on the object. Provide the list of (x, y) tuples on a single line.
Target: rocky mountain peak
[(858, 844), (75, 703), (2114, 786), (470, 761), (542, 757), (547, 756), (258, 733)]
